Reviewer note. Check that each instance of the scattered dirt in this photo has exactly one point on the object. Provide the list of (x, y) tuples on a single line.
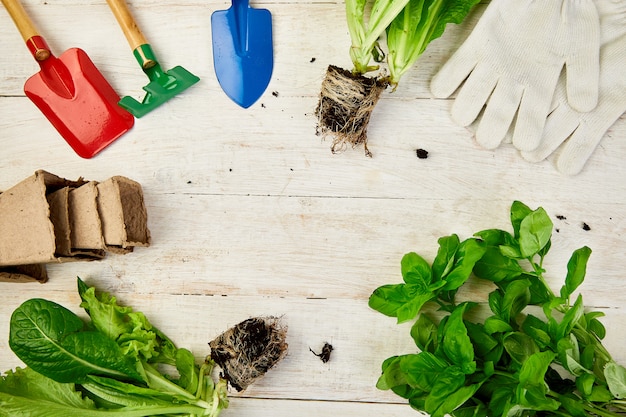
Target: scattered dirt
[(561, 217), (275, 93), (586, 227), (312, 60), (345, 106), (421, 153), (246, 351), (324, 355)]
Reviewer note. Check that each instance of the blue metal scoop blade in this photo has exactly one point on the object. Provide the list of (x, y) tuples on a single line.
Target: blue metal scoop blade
[(243, 54)]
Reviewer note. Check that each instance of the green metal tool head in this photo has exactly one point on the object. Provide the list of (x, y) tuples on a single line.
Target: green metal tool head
[(163, 85)]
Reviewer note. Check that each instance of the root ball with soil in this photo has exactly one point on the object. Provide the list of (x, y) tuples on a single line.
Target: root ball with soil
[(345, 106), (246, 351)]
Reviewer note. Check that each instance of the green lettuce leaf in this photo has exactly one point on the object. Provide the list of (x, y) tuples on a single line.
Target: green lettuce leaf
[(419, 23)]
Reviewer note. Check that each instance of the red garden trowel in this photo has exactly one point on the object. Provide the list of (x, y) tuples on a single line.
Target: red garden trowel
[(71, 92), (163, 85), (243, 54)]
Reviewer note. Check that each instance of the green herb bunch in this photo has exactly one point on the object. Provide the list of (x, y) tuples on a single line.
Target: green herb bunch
[(535, 353), (110, 365)]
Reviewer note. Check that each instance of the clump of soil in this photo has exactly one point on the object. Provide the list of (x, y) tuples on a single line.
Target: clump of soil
[(421, 153), (345, 107), (324, 355), (246, 351)]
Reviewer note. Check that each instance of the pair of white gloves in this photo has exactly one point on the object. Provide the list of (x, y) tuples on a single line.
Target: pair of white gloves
[(547, 75)]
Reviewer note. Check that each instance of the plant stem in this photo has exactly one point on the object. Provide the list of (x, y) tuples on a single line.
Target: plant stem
[(157, 381), (599, 411)]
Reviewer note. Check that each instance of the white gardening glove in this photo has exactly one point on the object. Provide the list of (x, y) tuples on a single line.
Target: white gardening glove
[(512, 61), (578, 134)]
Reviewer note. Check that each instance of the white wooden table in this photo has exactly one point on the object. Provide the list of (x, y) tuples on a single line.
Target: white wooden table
[(251, 214)]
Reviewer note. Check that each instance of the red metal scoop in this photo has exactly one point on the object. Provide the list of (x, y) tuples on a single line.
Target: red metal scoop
[(71, 92)]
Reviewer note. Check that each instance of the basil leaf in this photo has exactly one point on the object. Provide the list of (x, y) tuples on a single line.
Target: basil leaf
[(494, 324), (576, 270), (585, 383), (495, 302), (538, 330), (448, 245), (495, 237), (496, 267), (423, 369), (519, 211), (456, 399), (535, 232), (573, 406), (447, 382), (399, 300), (469, 252), (615, 375), (456, 343), (424, 333), (519, 346), (571, 318), (392, 374), (535, 367), (481, 340), (415, 270), (531, 391), (515, 299), (48, 338), (595, 326)]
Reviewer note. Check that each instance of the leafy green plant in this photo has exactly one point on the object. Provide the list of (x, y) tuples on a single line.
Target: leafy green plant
[(535, 353), (348, 98), (419, 23), (109, 365)]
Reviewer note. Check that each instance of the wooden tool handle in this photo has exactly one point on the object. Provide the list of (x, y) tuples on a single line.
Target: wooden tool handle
[(22, 21), (35, 43), (127, 23)]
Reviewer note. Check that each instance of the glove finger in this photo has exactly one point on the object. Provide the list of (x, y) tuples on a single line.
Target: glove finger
[(583, 59), (531, 118), (473, 95), (578, 149), (499, 113), (559, 126), (454, 71)]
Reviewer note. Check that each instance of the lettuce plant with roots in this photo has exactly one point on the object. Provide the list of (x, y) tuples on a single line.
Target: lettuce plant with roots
[(348, 97)]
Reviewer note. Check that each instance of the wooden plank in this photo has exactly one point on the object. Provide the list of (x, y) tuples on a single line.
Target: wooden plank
[(263, 407), (190, 148), (328, 247), (301, 33), (361, 338)]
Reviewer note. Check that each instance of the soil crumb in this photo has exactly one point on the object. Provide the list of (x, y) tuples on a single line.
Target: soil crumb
[(312, 60), (421, 153), (345, 106), (246, 351), (586, 227), (324, 355), (561, 217)]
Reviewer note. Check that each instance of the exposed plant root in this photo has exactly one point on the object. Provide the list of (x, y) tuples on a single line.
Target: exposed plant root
[(246, 351), (345, 107)]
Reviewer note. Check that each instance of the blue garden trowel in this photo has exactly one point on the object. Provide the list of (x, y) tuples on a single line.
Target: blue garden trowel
[(242, 51)]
